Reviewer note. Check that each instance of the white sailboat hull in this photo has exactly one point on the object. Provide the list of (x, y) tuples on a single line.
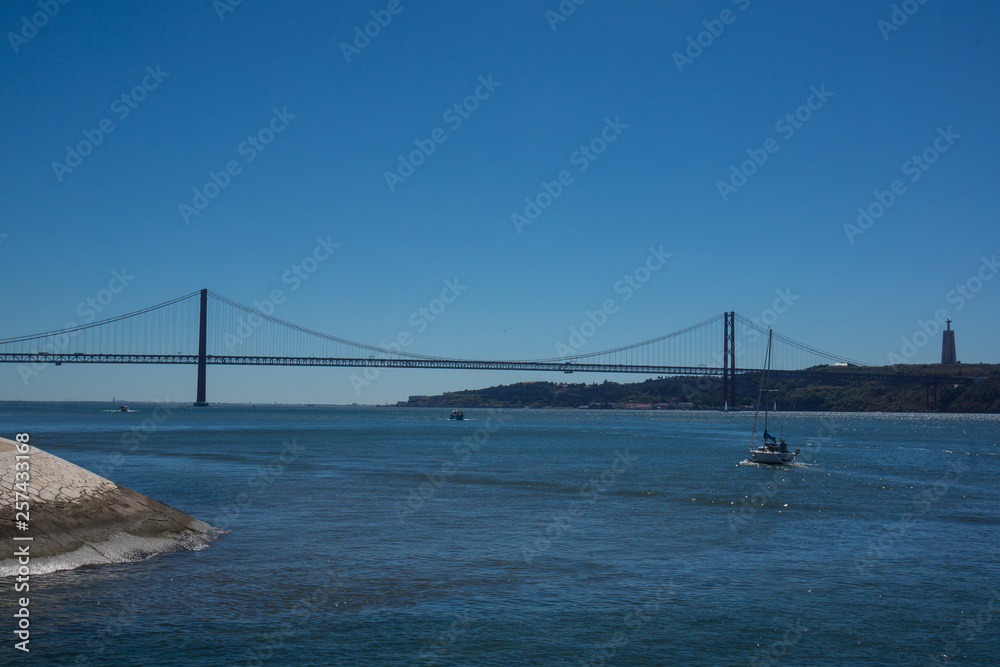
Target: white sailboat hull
[(762, 455)]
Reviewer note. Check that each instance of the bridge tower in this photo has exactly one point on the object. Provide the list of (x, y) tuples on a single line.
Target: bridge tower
[(729, 361), (202, 349)]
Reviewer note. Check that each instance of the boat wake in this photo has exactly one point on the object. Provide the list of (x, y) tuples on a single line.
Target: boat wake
[(798, 465)]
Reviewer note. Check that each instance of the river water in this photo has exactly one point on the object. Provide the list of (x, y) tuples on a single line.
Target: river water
[(394, 536)]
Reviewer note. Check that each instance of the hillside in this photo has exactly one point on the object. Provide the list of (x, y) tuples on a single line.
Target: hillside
[(823, 394)]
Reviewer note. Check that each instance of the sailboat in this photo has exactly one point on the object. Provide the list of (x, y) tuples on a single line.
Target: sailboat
[(770, 450)]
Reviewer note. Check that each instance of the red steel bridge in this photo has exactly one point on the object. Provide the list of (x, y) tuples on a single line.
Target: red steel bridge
[(204, 328)]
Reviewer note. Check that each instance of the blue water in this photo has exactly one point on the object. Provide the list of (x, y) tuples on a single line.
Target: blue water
[(542, 537)]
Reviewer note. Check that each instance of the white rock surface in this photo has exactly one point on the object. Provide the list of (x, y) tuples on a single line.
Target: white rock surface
[(79, 518)]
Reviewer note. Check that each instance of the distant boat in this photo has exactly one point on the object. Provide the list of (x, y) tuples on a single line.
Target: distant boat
[(123, 408), (457, 414), (770, 450)]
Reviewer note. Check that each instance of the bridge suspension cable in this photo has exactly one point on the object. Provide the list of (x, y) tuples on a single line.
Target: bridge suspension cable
[(164, 329), (643, 344), (258, 333), (91, 325), (169, 333), (808, 350)]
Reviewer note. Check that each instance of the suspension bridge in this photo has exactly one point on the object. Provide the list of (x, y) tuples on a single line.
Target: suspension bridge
[(204, 328)]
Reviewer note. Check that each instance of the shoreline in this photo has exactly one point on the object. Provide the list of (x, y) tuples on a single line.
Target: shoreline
[(482, 406), (76, 517)]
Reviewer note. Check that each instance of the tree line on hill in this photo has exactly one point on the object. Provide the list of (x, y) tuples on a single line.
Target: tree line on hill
[(980, 393)]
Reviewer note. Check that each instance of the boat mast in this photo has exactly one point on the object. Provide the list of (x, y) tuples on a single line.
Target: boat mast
[(760, 391), (767, 367)]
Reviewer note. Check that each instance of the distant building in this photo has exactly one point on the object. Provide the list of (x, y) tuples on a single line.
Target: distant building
[(948, 346)]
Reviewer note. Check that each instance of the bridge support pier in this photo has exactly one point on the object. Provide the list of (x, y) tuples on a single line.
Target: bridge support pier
[(202, 349), (729, 361), (931, 388)]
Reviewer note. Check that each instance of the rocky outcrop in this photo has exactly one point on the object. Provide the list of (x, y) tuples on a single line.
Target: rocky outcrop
[(79, 518)]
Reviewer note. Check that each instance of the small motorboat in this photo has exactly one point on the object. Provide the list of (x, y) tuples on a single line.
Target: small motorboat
[(457, 414), (123, 408)]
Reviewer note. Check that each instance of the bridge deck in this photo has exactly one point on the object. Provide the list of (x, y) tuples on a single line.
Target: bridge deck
[(850, 374)]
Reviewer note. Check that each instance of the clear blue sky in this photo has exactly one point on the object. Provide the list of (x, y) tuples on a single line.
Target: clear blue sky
[(218, 81)]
